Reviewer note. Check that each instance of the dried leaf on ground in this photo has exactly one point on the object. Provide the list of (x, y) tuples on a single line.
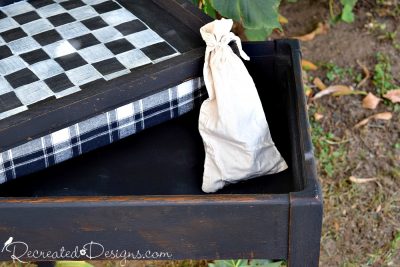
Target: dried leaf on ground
[(318, 116), (393, 95), (283, 20), (319, 84), (370, 101), (352, 92), (322, 28), (362, 180), (366, 73), (308, 65), (333, 89), (379, 116)]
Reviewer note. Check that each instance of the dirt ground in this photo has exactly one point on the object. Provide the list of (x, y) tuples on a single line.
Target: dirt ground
[(362, 221)]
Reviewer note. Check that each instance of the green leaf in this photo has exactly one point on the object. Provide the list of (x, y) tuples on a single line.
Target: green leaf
[(257, 16), (265, 263), (221, 263), (73, 264), (347, 14), (209, 10), (258, 34)]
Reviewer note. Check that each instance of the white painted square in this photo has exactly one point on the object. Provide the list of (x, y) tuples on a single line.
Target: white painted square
[(60, 136), (72, 30), (165, 58), (46, 69), (2, 42), (23, 45), (93, 2), (11, 64), (5, 87), (37, 26), (144, 38), (84, 12), (17, 8), (50, 10), (133, 59), (68, 91), (118, 16), (33, 92), (96, 53), (116, 74), (12, 112), (59, 49), (107, 34), (125, 112), (83, 75), (7, 24)]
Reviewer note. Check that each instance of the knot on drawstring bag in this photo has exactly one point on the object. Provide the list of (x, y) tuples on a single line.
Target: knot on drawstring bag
[(218, 36)]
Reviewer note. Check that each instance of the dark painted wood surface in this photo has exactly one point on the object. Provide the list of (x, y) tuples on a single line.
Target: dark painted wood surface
[(256, 219), (187, 227)]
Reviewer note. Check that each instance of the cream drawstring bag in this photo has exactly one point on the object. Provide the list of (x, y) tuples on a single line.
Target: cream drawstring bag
[(232, 122)]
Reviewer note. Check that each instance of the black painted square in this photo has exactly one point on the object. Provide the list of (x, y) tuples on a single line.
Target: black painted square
[(131, 27), (5, 52), (108, 66), (119, 46), (158, 50), (13, 34), (21, 77), (47, 37), (59, 83), (40, 3), (9, 101), (71, 61), (95, 23), (84, 41), (34, 56), (2, 15), (72, 4), (106, 7), (27, 17), (61, 19)]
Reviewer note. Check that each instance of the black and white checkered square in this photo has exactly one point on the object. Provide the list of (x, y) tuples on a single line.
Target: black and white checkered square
[(52, 48)]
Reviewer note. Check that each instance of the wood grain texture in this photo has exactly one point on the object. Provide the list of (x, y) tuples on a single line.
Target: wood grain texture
[(187, 229), (256, 221)]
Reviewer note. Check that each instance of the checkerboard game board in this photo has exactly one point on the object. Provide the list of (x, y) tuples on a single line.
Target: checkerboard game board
[(52, 48)]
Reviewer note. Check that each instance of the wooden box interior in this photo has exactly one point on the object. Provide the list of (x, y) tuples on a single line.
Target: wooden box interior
[(168, 159)]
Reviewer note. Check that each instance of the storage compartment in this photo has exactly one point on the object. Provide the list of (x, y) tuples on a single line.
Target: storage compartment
[(144, 192), (168, 159)]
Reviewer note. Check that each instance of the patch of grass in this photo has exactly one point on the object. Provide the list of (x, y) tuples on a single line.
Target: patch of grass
[(334, 73), (329, 149), (384, 256), (245, 263), (382, 78)]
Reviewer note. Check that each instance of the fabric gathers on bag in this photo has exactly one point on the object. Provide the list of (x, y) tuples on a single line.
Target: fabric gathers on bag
[(232, 123)]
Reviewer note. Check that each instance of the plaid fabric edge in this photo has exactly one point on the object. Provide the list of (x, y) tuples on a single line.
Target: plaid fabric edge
[(100, 130)]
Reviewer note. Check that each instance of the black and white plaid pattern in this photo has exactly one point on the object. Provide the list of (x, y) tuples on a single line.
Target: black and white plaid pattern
[(100, 130), (52, 48)]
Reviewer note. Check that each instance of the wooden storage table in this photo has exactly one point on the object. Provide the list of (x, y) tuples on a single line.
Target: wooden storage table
[(144, 192)]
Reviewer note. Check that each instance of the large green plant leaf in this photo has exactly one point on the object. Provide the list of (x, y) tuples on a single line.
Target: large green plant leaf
[(259, 17), (347, 14)]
